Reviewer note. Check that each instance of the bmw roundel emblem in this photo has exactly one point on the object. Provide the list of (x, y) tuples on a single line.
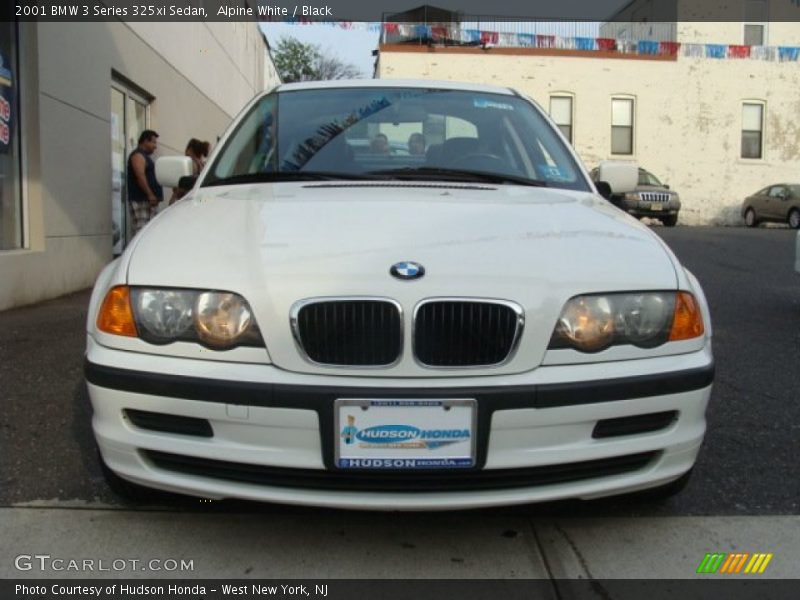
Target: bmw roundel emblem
[(407, 270)]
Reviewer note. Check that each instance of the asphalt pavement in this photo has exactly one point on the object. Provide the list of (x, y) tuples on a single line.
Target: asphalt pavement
[(743, 495)]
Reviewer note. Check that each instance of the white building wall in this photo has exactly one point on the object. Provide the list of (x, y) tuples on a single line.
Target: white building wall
[(199, 75), (225, 61), (777, 33), (271, 76), (698, 21), (688, 114)]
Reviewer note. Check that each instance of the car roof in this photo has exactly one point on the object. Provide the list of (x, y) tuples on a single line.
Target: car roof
[(394, 83)]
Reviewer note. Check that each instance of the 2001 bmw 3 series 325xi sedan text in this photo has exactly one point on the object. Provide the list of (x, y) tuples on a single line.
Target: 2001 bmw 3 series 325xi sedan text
[(397, 295)]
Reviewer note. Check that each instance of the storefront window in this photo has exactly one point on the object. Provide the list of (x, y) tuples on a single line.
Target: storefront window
[(10, 194), (130, 115)]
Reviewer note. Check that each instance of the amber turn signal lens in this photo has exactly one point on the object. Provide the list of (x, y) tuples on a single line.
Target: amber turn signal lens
[(687, 323), (116, 316)]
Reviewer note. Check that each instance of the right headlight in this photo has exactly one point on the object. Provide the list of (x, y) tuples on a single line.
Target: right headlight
[(218, 320), (222, 318), (592, 323)]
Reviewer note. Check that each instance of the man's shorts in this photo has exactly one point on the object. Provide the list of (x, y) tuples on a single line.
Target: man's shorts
[(140, 212)]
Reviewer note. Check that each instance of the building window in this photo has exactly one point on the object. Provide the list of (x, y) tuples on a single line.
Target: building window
[(755, 22), (754, 34), (561, 113), (10, 171), (622, 126), (130, 115), (752, 130)]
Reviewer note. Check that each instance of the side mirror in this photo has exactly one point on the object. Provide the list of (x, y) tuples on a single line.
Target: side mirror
[(604, 189), (666, 187), (170, 170)]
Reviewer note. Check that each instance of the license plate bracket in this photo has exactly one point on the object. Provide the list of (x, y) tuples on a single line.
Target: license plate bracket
[(405, 434)]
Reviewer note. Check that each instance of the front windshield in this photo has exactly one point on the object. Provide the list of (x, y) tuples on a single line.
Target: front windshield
[(647, 178), (395, 133)]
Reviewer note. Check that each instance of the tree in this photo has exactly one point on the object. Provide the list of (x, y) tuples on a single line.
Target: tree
[(297, 61), (330, 67), (294, 60)]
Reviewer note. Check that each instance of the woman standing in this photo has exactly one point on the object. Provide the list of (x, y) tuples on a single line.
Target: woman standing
[(198, 152)]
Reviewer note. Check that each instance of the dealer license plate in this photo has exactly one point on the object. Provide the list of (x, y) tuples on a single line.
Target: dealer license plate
[(405, 434)]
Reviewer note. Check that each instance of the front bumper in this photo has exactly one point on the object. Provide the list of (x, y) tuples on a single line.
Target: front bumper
[(651, 209), (273, 432)]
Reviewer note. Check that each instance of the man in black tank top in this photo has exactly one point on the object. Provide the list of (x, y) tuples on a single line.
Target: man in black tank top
[(144, 193)]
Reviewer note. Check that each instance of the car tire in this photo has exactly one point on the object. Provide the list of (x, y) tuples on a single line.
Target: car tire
[(794, 218), (670, 221), (126, 490), (663, 492), (750, 218)]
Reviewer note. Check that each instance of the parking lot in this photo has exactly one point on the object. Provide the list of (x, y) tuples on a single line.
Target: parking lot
[(747, 468)]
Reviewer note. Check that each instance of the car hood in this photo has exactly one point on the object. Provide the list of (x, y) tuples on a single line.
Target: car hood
[(280, 243)]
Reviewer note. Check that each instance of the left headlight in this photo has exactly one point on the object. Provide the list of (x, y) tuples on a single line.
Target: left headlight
[(592, 323), (218, 320)]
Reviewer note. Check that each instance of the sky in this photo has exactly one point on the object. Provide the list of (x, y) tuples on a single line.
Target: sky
[(356, 44), (353, 46)]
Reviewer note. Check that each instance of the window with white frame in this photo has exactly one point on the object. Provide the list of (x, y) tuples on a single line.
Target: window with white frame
[(622, 126), (561, 113), (130, 115), (755, 22), (752, 130)]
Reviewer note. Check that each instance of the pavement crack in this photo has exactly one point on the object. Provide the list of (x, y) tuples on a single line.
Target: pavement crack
[(595, 585), (543, 555), (575, 550)]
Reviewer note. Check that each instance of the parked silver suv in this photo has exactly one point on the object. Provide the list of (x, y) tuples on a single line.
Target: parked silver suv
[(651, 198)]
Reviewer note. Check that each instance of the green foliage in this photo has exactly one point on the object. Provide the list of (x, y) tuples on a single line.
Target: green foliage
[(296, 61)]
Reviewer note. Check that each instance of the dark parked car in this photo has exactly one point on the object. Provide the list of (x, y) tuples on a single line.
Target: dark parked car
[(651, 198), (778, 203)]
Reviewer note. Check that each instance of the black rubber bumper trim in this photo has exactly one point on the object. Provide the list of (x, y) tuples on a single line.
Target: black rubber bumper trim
[(313, 396), (624, 388), (399, 481)]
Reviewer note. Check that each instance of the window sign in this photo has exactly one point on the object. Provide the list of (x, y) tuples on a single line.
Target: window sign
[(11, 233), (6, 104)]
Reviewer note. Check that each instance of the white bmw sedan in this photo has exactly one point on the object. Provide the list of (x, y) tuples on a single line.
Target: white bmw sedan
[(325, 320)]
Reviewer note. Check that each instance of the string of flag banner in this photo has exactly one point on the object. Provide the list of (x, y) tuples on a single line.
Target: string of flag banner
[(458, 35)]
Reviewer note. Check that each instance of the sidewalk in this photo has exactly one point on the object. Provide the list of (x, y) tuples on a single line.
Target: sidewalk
[(389, 545)]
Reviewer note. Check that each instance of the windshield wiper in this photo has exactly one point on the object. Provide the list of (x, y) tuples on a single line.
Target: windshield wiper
[(443, 174), (275, 176)]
